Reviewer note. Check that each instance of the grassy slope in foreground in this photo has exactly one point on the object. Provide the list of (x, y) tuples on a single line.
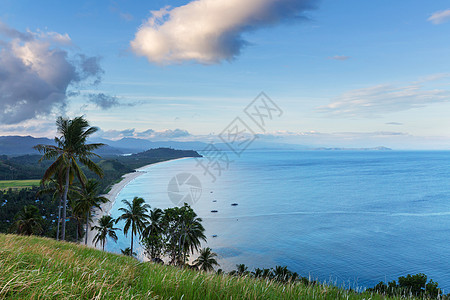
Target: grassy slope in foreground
[(33, 267)]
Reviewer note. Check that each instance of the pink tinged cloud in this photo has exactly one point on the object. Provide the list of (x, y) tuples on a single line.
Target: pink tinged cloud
[(209, 31), (440, 17)]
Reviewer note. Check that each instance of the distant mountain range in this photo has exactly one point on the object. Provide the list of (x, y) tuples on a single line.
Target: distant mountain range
[(23, 145)]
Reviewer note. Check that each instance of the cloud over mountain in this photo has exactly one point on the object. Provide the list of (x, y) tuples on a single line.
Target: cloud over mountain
[(36, 73), (210, 31), (166, 134)]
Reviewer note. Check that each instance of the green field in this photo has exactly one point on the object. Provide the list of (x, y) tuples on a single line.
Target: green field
[(18, 184), (42, 268)]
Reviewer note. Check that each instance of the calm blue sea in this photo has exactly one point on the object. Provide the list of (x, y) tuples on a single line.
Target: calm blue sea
[(350, 217)]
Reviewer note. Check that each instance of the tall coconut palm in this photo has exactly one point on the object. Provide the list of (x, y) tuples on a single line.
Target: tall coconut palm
[(135, 216), (152, 238), (206, 260), (28, 221), (192, 231), (105, 229), (86, 199), (183, 230), (71, 147), (55, 186)]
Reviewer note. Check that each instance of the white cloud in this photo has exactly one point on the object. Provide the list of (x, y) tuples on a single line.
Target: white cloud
[(381, 99), (167, 134), (209, 31), (339, 57), (36, 72), (440, 17)]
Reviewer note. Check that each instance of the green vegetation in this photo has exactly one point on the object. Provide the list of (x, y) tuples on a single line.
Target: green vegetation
[(18, 184), (12, 202), (105, 229), (135, 216), (415, 285), (36, 268), (206, 260), (70, 150), (87, 198), (28, 221)]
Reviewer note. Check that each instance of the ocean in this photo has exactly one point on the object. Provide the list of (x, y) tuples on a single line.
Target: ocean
[(352, 218)]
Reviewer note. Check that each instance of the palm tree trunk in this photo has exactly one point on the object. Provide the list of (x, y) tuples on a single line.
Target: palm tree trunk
[(78, 230), (131, 243), (87, 222), (59, 217), (66, 191)]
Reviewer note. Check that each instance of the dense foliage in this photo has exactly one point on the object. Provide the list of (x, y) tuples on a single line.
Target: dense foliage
[(411, 285), (13, 201)]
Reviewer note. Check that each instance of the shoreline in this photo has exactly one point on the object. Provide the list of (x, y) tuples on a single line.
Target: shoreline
[(105, 208)]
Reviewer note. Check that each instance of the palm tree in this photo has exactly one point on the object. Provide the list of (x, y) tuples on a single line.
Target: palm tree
[(135, 216), (70, 147), (87, 199), (104, 230), (241, 270), (192, 231), (28, 221), (283, 274), (152, 235), (183, 230), (154, 226), (56, 187), (127, 251), (206, 260)]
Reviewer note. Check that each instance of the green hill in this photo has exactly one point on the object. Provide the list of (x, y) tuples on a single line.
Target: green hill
[(41, 268)]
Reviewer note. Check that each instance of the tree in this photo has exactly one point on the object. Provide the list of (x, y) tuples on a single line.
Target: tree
[(414, 284), (56, 187), (127, 251), (283, 274), (87, 198), (28, 221), (206, 260), (183, 231), (411, 285), (105, 229), (241, 270), (135, 216), (71, 146), (152, 238), (192, 231)]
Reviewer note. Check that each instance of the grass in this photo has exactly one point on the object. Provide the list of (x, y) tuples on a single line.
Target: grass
[(18, 184), (41, 268)]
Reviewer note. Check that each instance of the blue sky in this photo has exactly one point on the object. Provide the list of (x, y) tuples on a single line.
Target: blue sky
[(345, 73)]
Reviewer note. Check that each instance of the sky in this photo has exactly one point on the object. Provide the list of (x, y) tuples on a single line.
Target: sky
[(340, 73)]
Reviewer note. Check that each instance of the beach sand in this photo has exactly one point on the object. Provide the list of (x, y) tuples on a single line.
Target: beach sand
[(112, 195)]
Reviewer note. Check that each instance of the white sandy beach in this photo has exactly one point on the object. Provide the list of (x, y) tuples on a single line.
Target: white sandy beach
[(112, 195)]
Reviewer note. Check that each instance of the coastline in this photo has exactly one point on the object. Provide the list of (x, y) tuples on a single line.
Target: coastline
[(112, 195)]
